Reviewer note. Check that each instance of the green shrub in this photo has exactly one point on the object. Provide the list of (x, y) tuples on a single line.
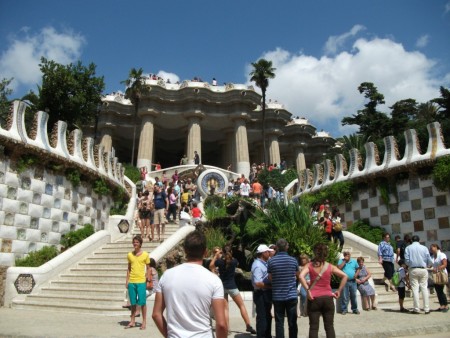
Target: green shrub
[(39, 257), (132, 172), (121, 200), (337, 193), (373, 234), (214, 237), (100, 187), (74, 237), (441, 174), (213, 200), (73, 175), (25, 162)]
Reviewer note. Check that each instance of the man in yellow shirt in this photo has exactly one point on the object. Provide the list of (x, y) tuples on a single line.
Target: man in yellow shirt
[(138, 273)]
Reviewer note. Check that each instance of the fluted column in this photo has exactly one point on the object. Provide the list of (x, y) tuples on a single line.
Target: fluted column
[(146, 137), (274, 147), (300, 162), (194, 138), (106, 141), (241, 143)]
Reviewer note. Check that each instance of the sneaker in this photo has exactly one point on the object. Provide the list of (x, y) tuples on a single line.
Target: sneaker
[(415, 312), (445, 310), (427, 312), (343, 313), (356, 312), (404, 310), (250, 329)]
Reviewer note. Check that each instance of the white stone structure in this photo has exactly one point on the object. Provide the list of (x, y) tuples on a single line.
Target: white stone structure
[(222, 123), (38, 205)]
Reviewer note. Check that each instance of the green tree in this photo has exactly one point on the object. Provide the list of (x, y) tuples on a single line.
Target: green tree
[(372, 123), (69, 93), (402, 113), (261, 73), (5, 104), (135, 88), (443, 116)]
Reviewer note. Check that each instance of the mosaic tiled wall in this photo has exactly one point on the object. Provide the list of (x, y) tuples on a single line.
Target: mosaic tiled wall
[(37, 207), (419, 209)]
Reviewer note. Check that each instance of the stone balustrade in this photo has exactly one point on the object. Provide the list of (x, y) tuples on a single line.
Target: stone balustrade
[(327, 173)]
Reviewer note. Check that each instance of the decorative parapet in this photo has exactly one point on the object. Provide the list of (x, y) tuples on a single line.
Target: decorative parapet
[(72, 148), (373, 166)]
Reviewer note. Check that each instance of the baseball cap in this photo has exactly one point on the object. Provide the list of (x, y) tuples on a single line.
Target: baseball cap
[(263, 248)]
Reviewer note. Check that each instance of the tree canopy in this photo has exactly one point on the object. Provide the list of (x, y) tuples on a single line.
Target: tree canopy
[(69, 93), (5, 91)]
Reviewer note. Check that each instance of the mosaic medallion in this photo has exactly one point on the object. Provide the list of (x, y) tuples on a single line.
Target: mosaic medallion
[(123, 226), (24, 283)]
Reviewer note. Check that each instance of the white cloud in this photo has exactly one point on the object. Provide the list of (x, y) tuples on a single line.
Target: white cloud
[(324, 89), (422, 41), (171, 76), (447, 7), (22, 57), (336, 42)]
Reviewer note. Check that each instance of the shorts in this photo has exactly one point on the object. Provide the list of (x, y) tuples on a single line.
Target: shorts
[(401, 292), (232, 292), (145, 214), (159, 216), (137, 293)]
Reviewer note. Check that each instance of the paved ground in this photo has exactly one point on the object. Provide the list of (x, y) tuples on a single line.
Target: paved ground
[(380, 323)]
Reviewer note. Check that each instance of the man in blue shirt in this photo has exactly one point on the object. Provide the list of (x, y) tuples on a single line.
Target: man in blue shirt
[(262, 296), (418, 258), (349, 266), (284, 272)]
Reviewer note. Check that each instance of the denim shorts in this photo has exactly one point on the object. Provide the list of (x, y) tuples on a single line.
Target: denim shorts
[(232, 292)]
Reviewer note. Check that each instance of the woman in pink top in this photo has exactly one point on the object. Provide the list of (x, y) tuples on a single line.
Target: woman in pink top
[(320, 295)]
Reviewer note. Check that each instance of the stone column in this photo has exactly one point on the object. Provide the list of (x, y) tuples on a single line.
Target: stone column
[(106, 141), (146, 137), (194, 139), (274, 147), (241, 143), (300, 156)]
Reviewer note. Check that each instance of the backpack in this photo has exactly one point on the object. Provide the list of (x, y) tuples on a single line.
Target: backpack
[(396, 279)]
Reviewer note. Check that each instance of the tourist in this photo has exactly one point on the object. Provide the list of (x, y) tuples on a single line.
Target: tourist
[(257, 191), (214, 81), (184, 160), (401, 246), (175, 177), (196, 158), (145, 206), (157, 166), (186, 287), (337, 228), (349, 266), (196, 213), (366, 290), (164, 178), (245, 189), (320, 295), (161, 203), (262, 294), (283, 273), (327, 225), (143, 174), (226, 264), (302, 292), (439, 260), (173, 198), (403, 282), (417, 257), (386, 259), (136, 280)]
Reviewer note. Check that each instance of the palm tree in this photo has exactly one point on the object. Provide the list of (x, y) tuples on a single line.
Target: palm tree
[(135, 87), (261, 73)]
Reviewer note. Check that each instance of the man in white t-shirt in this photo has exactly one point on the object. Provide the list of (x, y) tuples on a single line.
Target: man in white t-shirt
[(187, 292)]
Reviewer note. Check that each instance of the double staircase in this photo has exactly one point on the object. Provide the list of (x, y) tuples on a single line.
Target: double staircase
[(94, 285)]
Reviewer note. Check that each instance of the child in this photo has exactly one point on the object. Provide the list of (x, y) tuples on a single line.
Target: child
[(196, 213), (404, 281)]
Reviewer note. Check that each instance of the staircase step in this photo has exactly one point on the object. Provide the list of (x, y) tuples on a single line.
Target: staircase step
[(80, 308), (117, 277), (107, 285), (54, 290), (70, 299)]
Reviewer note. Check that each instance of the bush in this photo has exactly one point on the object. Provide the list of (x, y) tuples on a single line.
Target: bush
[(73, 175), (214, 237), (276, 179), (132, 172), (74, 237), (441, 174), (337, 193), (213, 200), (39, 257), (25, 162), (373, 234), (100, 187)]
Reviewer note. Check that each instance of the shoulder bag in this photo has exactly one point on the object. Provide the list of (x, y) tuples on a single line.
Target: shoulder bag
[(325, 267), (440, 278)]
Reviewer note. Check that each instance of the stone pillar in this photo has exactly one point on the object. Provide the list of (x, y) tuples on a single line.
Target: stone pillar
[(229, 150), (194, 138), (241, 143), (106, 141), (146, 137), (300, 157), (274, 147)]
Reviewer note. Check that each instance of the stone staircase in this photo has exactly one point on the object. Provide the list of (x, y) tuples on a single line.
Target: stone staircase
[(385, 299), (94, 285)]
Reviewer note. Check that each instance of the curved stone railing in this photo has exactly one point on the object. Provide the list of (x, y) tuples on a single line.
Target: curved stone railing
[(328, 172), (73, 148)]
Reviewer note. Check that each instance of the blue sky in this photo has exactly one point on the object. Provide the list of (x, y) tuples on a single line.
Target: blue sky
[(322, 49)]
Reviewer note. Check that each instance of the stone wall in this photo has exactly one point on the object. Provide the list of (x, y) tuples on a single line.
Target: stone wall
[(2, 283), (37, 206), (418, 208)]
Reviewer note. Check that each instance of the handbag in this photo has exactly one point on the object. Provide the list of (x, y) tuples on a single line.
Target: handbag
[(325, 267), (440, 278)]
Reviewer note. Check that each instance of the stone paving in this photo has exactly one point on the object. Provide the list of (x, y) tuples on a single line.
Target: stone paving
[(380, 323)]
